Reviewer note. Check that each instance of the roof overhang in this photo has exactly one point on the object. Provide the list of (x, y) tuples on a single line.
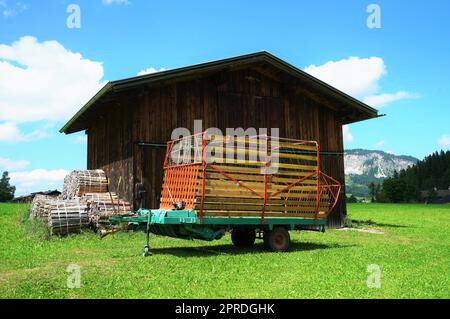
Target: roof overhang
[(355, 110)]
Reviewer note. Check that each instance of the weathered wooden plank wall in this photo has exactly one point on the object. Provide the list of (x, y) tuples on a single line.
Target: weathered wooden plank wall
[(241, 98), (110, 148)]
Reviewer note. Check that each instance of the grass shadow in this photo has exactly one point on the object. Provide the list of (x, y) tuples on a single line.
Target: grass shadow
[(210, 250), (368, 222)]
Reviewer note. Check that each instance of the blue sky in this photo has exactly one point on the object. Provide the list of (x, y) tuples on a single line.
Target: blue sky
[(402, 68)]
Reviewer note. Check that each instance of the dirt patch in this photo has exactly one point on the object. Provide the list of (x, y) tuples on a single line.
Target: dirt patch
[(364, 230)]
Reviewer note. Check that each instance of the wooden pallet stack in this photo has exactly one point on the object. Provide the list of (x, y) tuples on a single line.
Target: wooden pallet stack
[(80, 182), (67, 216), (104, 205), (84, 201)]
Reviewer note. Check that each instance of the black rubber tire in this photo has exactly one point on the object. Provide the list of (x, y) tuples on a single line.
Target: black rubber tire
[(277, 240), (243, 237)]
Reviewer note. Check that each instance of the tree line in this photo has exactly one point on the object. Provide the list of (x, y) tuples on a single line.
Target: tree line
[(430, 174)]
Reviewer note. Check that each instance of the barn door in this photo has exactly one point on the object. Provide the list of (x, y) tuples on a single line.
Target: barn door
[(152, 173)]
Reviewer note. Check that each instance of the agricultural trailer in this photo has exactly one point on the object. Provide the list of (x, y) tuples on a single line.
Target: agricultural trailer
[(255, 187)]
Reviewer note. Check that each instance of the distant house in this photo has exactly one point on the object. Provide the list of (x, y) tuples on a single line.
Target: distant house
[(29, 198), (442, 196)]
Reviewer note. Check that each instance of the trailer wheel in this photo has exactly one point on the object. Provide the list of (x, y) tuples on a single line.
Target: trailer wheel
[(277, 240), (243, 237)]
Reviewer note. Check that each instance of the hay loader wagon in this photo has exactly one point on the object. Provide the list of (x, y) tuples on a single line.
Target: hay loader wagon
[(258, 186)]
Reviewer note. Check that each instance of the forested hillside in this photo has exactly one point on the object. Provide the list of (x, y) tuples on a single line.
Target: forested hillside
[(430, 174)]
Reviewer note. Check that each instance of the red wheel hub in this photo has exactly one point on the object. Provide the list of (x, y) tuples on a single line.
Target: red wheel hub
[(279, 241)]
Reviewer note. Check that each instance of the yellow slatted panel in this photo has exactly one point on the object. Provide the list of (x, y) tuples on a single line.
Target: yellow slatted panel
[(257, 187), (274, 181), (245, 140), (229, 162), (260, 178), (258, 214), (248, 194), (298, 146), (260, 154), (270, 208), (225, 183), (251, 170), (305, 200)]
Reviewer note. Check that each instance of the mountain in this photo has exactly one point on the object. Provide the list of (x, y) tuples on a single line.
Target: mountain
[(363, 167)]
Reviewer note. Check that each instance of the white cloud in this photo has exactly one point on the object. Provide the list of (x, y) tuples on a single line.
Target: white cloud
[(44, 81), (379, 144), (80, 139), (9, 132), (118, 2), (9, 165), (355, 76), (348, 137), (358, 77), (13, 9), (386, 98), (7, 13), (150, 71), (37, 180), (444, 141)]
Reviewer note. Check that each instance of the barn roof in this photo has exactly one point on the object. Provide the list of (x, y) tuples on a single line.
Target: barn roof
[(352, 111)]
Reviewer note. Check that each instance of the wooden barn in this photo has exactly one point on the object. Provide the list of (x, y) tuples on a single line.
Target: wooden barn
[(129, 121)]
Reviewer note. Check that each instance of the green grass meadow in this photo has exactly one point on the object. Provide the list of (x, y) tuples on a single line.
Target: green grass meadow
[(413, 255)]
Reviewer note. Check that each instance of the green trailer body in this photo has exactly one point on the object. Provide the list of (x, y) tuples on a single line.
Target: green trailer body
[(186, 224)]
